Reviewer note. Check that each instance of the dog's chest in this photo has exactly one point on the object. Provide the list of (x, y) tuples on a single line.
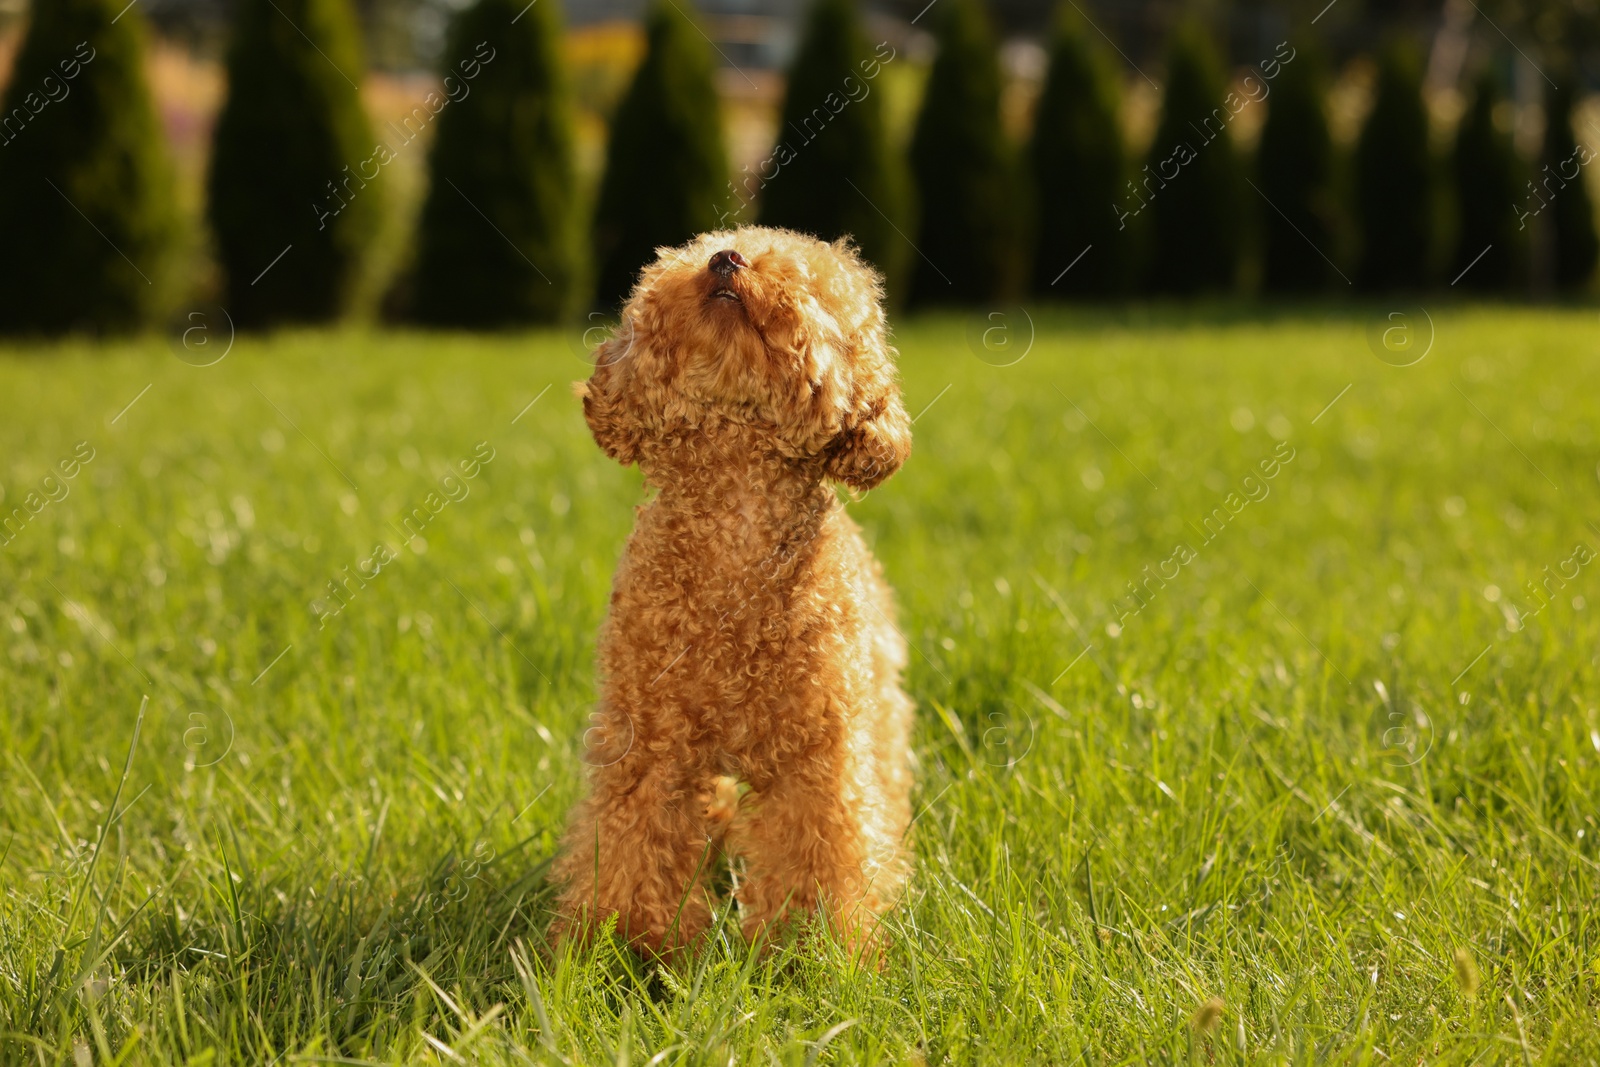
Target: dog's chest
[(734, 578)]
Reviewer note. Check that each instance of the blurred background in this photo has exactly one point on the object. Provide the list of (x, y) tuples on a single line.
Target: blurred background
[(978, 151)]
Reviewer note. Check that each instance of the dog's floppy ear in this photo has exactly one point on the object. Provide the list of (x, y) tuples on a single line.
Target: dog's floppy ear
[(875, 434), (611, 417)]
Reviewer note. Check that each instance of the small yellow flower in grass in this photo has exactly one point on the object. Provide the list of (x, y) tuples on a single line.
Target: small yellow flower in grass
[(1207, 1015), (1466, 974)]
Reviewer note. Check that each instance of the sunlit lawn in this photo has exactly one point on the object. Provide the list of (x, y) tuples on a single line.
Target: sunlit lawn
[(1330, 761)]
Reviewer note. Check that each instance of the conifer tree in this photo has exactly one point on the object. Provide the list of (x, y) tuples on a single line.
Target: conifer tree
[(1077, 163), (1560, 184), (87, 217), (1193, 172), (295, 186), (666, 176), (834, 170), (962, 168), (1294, 168), (1394, 187), (497, 243), (1488, 242)]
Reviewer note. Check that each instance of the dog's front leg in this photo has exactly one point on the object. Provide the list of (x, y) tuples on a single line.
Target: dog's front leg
[(637, 849), (802, 849)]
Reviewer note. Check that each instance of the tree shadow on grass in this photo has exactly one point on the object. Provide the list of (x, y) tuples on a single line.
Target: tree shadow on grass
[(1223, 312)]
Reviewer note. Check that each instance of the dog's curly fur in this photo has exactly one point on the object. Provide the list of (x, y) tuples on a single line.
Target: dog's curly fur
[(750, 700)]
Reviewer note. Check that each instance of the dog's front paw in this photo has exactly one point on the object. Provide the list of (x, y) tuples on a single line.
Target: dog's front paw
[(722, 803)]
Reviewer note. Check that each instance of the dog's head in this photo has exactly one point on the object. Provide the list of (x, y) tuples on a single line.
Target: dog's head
[(772, 329)]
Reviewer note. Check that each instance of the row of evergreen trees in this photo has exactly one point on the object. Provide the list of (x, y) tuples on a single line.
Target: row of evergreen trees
[(1392, 215), (294, 193)]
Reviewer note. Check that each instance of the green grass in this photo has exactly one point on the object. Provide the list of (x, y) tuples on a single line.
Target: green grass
[(1268, 785)]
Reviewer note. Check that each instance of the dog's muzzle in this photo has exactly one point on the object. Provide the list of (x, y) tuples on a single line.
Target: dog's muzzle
[(725, 265)]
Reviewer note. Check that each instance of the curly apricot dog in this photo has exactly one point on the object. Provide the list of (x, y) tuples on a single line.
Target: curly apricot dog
[(750, 701)]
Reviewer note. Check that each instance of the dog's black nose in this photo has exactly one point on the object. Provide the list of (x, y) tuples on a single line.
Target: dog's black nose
[(727, 261)]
